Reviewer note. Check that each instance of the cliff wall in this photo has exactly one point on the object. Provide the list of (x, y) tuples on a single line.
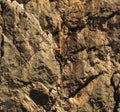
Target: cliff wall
[(59, 55)]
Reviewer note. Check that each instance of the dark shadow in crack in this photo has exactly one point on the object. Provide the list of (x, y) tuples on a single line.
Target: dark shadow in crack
[(81, 87), (38, 97)]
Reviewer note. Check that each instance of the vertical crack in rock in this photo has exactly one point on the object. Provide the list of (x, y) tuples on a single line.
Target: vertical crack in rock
[(2, 46), (115, 81)]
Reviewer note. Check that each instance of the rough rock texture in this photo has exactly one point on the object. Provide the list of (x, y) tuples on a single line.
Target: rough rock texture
[(60, 56)]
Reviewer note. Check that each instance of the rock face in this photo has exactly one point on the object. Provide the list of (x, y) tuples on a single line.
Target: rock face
[(59, 56)]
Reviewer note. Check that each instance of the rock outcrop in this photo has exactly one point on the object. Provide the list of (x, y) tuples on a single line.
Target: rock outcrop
[(59, 55)]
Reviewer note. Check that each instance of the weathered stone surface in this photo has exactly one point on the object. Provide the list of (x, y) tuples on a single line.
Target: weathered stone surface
[(60, 55)]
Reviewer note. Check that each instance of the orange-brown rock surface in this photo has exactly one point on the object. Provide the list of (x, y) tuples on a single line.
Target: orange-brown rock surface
[(59, 55)]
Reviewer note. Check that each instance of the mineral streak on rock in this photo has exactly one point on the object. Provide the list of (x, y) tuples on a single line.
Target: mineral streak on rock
[(59, 55)]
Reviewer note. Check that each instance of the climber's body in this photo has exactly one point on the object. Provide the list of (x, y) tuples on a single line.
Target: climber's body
[(59, 50)]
